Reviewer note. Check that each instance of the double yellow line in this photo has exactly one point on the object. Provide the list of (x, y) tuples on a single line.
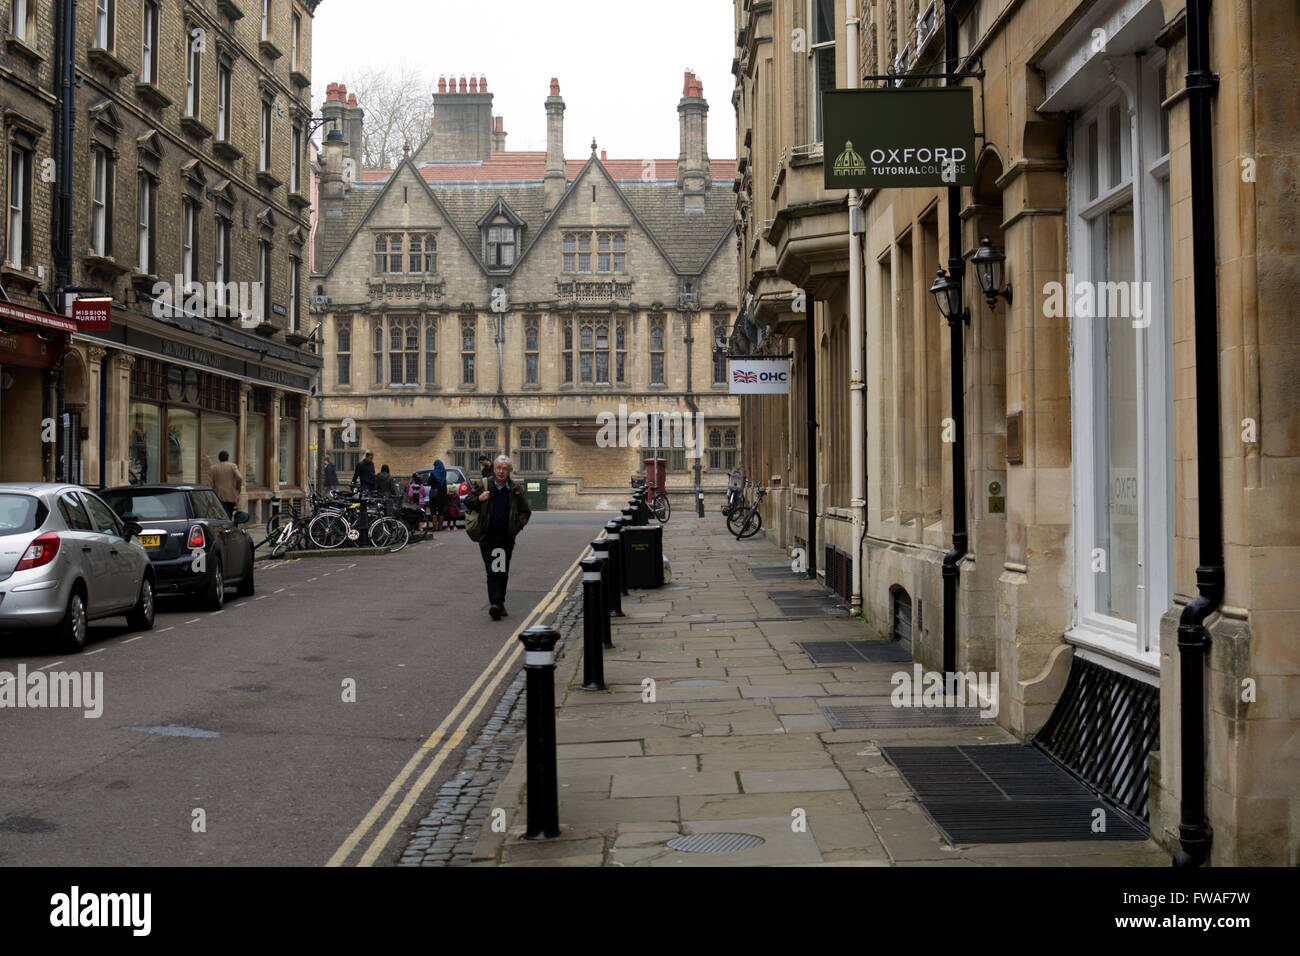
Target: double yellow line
[(441, 743)]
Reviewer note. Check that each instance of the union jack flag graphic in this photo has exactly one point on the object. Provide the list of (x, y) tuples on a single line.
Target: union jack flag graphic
[(745, 378)]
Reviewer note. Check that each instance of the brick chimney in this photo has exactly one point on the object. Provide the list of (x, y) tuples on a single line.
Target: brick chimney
[(462, 125), (498, 134), (693, 176), (555, 179), (354, 130)]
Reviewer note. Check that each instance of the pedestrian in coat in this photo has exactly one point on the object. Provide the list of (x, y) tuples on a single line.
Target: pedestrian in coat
[(227, 481), (385, 484), (499, 510), (331, 477), (365, 474)]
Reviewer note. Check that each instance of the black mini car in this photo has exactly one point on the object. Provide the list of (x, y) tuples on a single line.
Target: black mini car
[(194, 545)]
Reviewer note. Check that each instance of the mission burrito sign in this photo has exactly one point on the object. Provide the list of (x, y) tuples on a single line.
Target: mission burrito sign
[(884, 138)]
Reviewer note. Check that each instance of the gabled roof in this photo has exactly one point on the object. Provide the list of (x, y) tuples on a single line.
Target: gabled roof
[(363, 198), (469, 194)]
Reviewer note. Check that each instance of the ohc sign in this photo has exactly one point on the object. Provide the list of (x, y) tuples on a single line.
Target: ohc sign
[(760, 377)]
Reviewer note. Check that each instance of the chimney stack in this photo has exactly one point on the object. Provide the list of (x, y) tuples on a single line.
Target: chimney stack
[(693, 176), (498, 133), (354, 131), (462, 129), (555, 178)]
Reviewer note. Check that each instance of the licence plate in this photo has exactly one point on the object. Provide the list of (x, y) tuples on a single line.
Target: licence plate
[(151, 540)]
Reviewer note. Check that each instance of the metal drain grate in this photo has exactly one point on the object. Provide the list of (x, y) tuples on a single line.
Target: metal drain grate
[(887, 715), (853, 652), (774, 572), (1005, 793), (715, 842)]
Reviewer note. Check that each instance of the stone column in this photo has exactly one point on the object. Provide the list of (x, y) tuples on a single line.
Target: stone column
[(95, 372), (273, 442), (117, 441), (241, 440)]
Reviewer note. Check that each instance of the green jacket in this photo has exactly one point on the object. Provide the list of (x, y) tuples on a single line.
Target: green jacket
[(478, 514)]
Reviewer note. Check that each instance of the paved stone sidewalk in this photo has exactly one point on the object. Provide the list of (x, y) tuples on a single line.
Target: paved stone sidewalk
[(752, 753)]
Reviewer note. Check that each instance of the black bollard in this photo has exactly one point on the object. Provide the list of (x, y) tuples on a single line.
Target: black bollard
[(601, 549), (593, 655), (539, 668), (613, 536), (625, 522)]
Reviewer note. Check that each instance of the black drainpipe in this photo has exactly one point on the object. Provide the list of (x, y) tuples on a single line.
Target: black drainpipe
[(951, 571), (1193, 638), (694, 409), (65, 69), (810, 362)]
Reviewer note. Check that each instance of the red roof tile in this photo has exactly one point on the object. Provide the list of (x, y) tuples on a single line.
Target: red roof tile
[(531, 166)]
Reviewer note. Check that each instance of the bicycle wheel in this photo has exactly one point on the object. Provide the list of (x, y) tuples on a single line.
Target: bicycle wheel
[(662, 509), (284, 540), (277, 521), (389, 533), (736, 520), (327, 530), (753, 522)]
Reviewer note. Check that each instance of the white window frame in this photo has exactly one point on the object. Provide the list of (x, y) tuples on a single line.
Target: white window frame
[(99, 200), (189, 237), (21, 19), (104, 24), (17, 202), (293, 41), (144, 202), (1142, 178), (293, 293), (264, 152), (814, 48), (223, 101), (266, 20), (293, 158), (149, 43), (193, 66)]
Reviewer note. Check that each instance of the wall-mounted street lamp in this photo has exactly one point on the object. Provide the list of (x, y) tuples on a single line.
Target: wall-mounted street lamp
[(989, 270), (947, 292)]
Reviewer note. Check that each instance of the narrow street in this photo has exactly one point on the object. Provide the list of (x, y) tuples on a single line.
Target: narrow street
[(240, 714)]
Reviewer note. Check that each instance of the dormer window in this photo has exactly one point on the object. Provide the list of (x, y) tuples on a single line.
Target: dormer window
[(501, 246), (502, 234)]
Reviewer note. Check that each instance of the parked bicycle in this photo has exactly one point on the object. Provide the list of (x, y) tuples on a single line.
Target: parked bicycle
[(656, 498), (750, 521), (363, 517)]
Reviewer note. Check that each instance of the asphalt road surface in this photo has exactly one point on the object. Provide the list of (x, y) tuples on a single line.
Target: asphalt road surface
[(226, 738)]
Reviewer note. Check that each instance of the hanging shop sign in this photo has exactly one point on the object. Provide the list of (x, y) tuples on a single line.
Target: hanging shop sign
[(760, 377), (92, 314), (891, 138)]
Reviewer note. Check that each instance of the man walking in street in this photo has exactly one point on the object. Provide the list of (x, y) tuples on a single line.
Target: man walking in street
[(485, 466), (331, 477), (365, 474), (501, 510), (227, 481)]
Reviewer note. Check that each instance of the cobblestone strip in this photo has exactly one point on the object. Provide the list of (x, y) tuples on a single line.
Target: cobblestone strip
[(446, 836)]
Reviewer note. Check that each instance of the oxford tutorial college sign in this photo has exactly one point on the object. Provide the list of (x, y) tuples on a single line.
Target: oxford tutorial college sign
[(892, 138)]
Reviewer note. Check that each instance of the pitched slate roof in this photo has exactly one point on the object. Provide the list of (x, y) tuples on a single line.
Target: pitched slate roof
[(468, 190)]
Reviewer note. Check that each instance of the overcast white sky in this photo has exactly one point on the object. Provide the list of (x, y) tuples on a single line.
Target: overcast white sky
[(619, 62)]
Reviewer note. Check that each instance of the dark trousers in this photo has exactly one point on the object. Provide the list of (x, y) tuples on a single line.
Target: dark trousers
[(230, 507), (496, 580)]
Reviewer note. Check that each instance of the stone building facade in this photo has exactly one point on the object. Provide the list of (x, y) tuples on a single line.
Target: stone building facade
[(476, 300), (1081, 437), (188, 159)]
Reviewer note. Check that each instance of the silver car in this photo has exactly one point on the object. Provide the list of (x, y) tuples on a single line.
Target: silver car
[(66, 559)]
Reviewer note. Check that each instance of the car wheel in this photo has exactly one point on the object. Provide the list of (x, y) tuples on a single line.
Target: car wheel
[(140, 617), (71, 631), (245, 588), (214, 595)]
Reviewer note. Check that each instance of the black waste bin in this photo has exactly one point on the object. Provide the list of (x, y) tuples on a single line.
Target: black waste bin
[(645, 555)]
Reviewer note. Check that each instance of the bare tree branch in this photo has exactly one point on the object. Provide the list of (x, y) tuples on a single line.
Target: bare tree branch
[(398, 106)]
